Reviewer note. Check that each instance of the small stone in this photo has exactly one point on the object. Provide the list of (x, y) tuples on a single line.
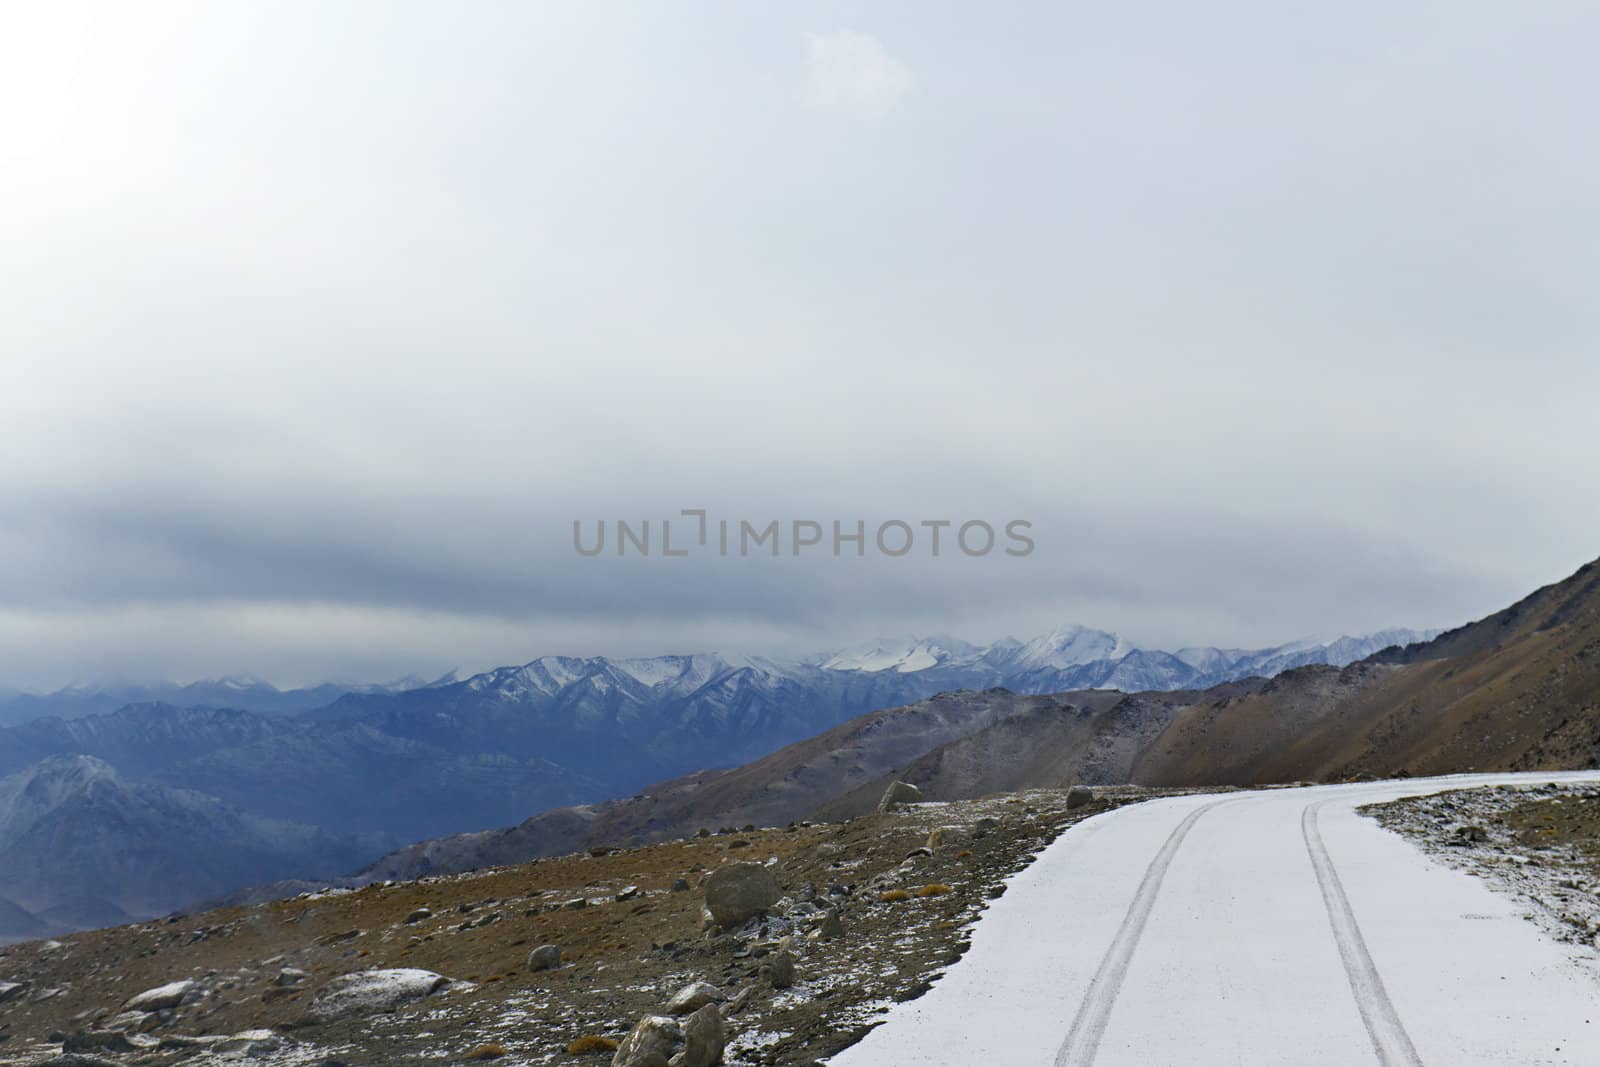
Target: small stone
[(128, 1020), (1078, 796), (693, 997), (627, 893), (98, 1041), (680, 885), (899, 793), (166, 996), (289, 976), (418, 916)]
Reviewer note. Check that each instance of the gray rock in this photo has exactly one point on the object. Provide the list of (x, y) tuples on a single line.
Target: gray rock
[(627, 893), (779, 969), (899, 793), (366, 992), (98, 1041), (1078, 796), (945, 837), (289, 976), (166, 996), (418, 916), (737, 891), (832, 925), (741, 999), (78, 1059), (704, 1038), (693, 997), (13, 991), (251, 1043), (544, 958), (985, 826), (681, 885), (650, 1043)]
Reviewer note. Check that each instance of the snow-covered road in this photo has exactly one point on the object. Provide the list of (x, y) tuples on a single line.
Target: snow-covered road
[(1270, 927)]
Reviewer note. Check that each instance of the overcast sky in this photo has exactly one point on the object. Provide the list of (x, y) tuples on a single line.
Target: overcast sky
[(321, 322)]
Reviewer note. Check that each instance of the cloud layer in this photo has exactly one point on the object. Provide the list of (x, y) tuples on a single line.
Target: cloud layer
[(853, 73), (321, 327)]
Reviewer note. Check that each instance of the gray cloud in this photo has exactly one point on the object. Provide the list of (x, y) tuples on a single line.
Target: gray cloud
[(322, 327)]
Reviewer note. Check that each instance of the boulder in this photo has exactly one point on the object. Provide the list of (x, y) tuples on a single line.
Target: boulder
[(985, 826), (161, 997), (945, 837), (367, 992), (899, 793), (1078, 796), (693, 997), (736, 891), (650, 1043), (544, 958), (704, 1037)]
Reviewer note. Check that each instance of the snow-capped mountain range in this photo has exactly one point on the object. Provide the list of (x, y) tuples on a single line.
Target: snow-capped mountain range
[(368, 767), (1069, 657)]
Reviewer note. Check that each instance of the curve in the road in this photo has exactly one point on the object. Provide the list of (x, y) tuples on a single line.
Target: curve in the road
[(1389, 1038), (1089, 1025)]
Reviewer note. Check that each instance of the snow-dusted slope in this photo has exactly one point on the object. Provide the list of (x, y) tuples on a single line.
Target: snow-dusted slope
[(1251, 928)]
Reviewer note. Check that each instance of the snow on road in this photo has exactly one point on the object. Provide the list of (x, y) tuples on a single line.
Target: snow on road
[(1259, 928)]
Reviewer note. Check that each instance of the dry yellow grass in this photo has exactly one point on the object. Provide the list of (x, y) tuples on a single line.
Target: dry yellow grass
[(933, 889), (893, 895), (487, 1052), (591, 1043)]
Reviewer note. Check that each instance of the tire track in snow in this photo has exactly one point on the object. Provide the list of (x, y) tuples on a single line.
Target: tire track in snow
[(1389, 1037), (1089, 1025)]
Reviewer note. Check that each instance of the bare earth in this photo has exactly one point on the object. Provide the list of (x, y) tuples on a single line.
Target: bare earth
[(625, 949)]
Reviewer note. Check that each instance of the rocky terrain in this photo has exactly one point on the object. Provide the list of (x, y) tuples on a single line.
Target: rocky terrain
[(1537, 844), (813, 929)]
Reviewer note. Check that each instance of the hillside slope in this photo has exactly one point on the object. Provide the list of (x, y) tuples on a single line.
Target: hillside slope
[(82, 847), (1518, 690)]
